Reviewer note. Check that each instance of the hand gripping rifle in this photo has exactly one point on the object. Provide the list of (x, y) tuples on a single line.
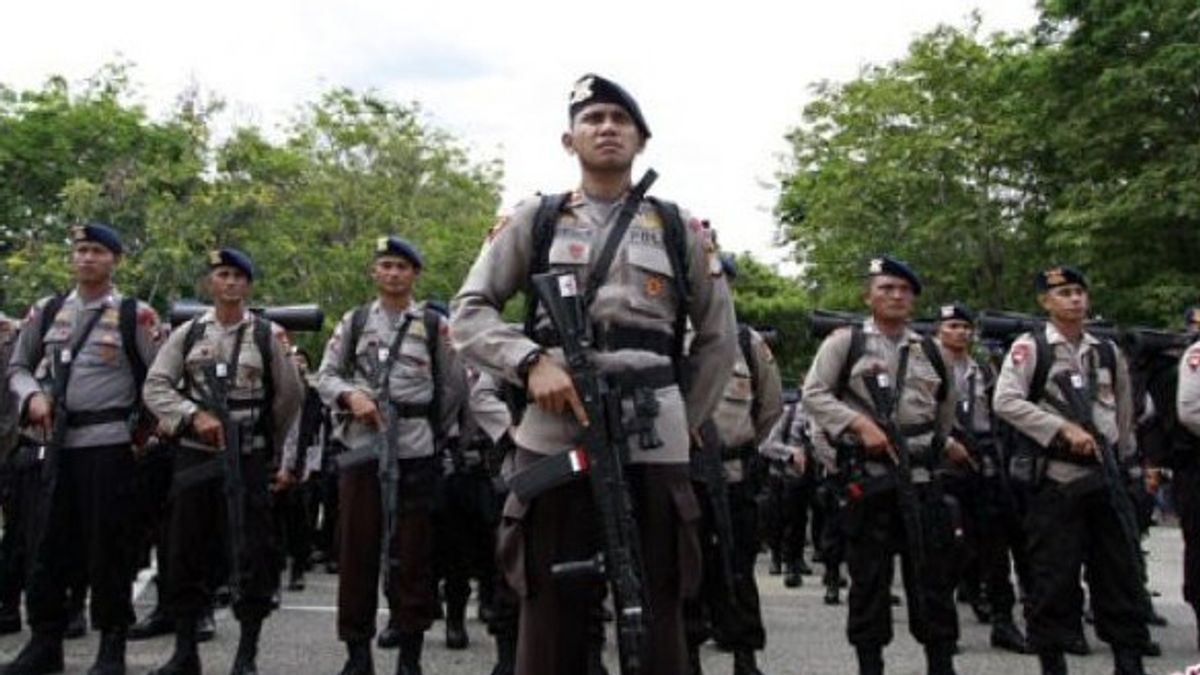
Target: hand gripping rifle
[(603, 449), (886, 400), (214, 397)]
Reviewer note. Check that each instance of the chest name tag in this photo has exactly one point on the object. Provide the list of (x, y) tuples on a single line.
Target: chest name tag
[(1077, 380), (222, 370), (883, 380), (964, 406), (384, 353), (64, 356)]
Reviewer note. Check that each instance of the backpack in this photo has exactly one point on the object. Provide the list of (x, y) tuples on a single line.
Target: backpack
[(127, 324), (858, 342), (262, 342), (748, 355), (432, 321)]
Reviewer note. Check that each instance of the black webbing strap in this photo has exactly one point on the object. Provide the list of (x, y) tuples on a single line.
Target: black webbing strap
[(599, 271), (87, 418)]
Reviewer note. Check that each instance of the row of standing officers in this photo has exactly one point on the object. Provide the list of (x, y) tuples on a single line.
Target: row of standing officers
[(893, 414)]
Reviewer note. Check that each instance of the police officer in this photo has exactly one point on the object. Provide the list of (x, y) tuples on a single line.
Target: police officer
[(854, 368), (1072, 519), (12, 567), (99, 342), (1187, 472), (250, 354), (991, 525), (789, 448), (407, 346), (751, 404), (638, 320)]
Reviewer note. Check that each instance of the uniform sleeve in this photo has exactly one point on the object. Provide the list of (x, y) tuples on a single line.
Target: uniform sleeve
[(488, 408), (714, 343), (820, 399), (454, 379), (773, 447), (291, 444), (289, 390), (946, 408), (477, 328), (159, 394), (1126, 425), (768, 387), (149, 333), (1011, 400), (331, 383), (1188, 396), (25, 357)]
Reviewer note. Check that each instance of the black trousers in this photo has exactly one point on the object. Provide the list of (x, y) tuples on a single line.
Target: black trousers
[(465, 524), (290, 511), (1185, 488), (728, 610), (833, 530), (18, 492), (87, 537), (1067, 532), (875, 533), (199, 544)]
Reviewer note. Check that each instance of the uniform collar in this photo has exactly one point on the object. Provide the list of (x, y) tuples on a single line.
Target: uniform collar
[(108, 300), (869, 328), (210, 316), (1054, 337), (414, 308)]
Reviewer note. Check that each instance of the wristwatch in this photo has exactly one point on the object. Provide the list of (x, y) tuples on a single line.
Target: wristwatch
[(527, 364)]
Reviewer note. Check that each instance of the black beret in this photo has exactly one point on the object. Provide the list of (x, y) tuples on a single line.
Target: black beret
[(956, 311), (231, 257), (888, 266), (1061, 275), (100, 234), (595, 89), (393, 245)]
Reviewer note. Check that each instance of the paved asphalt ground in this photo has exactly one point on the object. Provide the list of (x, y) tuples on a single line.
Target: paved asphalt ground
[(804, 636)]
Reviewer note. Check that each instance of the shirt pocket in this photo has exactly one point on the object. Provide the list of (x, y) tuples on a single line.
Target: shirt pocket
[(651, 281), (740, 389), (250, 368), (103, 349)]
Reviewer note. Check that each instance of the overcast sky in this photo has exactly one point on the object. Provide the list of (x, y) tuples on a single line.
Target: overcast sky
[(719, 86)]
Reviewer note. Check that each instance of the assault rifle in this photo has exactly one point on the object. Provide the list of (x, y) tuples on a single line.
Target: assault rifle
[(886, 400), (214, 398), (303, 318), (708, 468), (603, 452)]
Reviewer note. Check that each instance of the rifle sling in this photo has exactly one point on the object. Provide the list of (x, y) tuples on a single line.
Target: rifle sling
[(599, 271)]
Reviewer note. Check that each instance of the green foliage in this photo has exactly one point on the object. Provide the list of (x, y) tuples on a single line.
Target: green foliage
[(308, 209), (767, 300), (982, 160)]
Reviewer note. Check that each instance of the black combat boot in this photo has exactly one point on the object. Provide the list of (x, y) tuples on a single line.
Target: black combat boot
[(154, 624), (185, 660), (1053, 663), (940, 658), (409, 661), (10, 618), (359, 661), (244, 662), (206, 627), (775, 567), (42, 654), (110, 660), (693, 652), (1127, 661), (744, 663), (1078, 645), (1006, 636), (793, 577), (506, 655), (870, 660), (389, 637), (832, 592), (296, 577), (77, 625)]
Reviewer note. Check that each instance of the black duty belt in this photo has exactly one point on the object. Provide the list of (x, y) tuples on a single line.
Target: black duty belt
[(246, 404), (613, 338), (737, 452), (911, 430), (655, 377), (87, 418), (406, 410)]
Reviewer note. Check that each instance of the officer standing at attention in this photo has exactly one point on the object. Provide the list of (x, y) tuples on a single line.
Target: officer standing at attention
[(405, 345), (250, 355), (662, 273), (751, 404), (100, 342), (884, 357), (991, 524), (1072, 520)]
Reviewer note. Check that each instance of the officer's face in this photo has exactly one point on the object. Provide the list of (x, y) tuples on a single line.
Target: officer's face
[(604, 137), (955, 334), (890, 298), (228, 285), (1066, 303), (394, 275), (92, 262)]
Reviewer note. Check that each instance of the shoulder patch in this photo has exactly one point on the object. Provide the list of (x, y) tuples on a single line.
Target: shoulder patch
[(1193, 361), (497, 227), (281, 335), (1019, 353), (696, 225), (147, 317)]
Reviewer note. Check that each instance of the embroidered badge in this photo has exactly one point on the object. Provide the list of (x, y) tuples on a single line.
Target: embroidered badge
[(876, 266), (582, 90), (1194, 360), (654, 286), (497, 227), (1019, 354), (1055, 277), (576, 251)]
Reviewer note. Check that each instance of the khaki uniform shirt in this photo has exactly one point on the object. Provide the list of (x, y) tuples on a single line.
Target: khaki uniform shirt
[(174, 398), (918, 402), (736, 425), (1112, 411), (637, 293), (1189, 389), (101, 375), (410, 380)]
